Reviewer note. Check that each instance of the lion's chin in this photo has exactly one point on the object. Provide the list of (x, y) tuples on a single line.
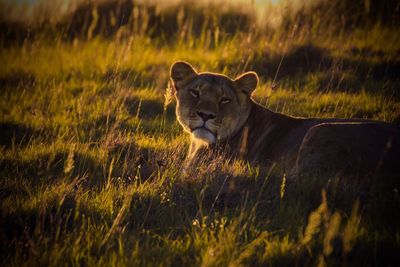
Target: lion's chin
[(204, 135)]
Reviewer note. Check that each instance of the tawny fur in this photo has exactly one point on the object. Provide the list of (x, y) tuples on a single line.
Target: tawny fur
[(219, 111)]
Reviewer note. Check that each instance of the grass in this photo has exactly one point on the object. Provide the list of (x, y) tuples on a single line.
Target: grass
[(91, 154)]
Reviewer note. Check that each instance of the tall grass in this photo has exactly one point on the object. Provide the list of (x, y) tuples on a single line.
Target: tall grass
[(91, 154)]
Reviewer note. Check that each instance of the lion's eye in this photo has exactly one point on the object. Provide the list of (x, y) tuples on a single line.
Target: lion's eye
[(224, 100), (194, 93)]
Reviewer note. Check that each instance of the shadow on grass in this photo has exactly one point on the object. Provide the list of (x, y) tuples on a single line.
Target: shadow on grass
[(126, 159), (174, 205), (19, 135), (14, 80), (148, 109), (50, 165), (334, 73)]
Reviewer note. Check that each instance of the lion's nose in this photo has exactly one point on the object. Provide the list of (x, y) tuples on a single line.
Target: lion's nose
[(206, 116)]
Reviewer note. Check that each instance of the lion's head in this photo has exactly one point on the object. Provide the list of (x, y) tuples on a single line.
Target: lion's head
[(211, 106)]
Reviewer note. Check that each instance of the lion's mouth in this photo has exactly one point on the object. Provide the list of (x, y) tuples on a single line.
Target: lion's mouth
[(203, 128), (204, 134)]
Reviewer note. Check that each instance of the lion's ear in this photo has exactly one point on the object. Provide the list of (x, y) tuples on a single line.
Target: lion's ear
[(182, 73), (247, 82)]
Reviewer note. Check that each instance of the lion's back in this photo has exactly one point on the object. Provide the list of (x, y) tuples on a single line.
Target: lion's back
[(360, 148)]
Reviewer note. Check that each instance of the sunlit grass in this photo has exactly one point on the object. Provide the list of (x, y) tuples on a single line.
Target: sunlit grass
[(309, 103), (91, 155)]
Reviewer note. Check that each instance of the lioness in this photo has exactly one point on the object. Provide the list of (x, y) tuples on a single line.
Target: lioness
[(215, 109)]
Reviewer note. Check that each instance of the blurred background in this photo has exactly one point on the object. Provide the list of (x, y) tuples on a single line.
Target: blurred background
[(337, 45)]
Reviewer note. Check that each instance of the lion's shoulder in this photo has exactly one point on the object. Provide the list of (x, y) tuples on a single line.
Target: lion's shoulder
[(268, 135)]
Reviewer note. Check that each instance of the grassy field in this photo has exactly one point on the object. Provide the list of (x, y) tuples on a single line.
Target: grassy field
[(91, 154)]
